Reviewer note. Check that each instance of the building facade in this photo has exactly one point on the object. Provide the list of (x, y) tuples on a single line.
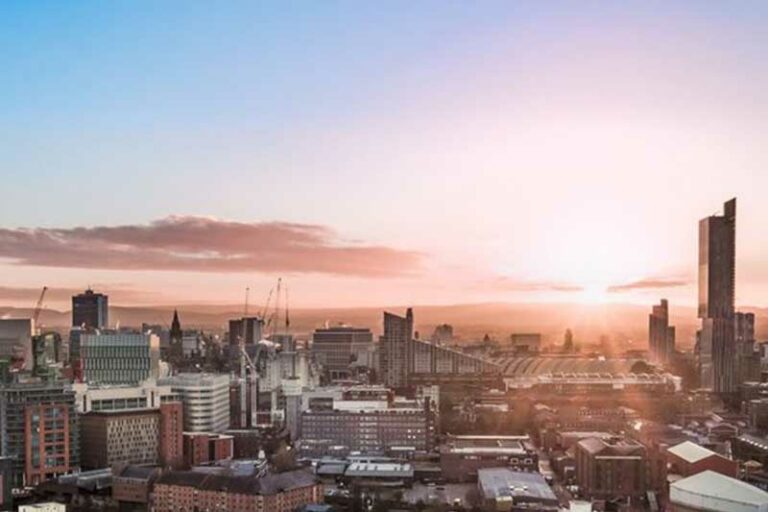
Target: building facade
[(717, 283), (119, 437), (611, 468), (206, 400), (181, 491), (39, 430), (395, 350), (335, 348), (119, 358), (661, 335), (90, 310)]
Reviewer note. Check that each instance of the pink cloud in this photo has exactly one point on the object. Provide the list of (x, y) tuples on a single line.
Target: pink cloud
[(205, 245)]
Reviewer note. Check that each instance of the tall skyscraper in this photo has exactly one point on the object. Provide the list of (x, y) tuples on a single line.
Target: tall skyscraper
[(748, 361), (717, 282), (90, 310), (396, 359), (661, 335), (335, 348)]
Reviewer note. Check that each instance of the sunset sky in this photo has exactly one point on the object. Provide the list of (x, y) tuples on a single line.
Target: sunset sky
[(379, 153)]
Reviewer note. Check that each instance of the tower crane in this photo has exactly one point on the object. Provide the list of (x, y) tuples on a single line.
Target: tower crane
[(39, 307)]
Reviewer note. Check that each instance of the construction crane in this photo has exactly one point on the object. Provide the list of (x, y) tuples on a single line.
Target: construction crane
[(39, 307)]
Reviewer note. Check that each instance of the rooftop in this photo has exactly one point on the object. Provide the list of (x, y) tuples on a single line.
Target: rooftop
[(503, 483), (720, 488), (267, 485), (691, 452)]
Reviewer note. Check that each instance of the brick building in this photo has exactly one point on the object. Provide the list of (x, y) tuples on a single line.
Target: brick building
[(171, 426), (205, 447), (178, 491), (611, 468), (687, 459)]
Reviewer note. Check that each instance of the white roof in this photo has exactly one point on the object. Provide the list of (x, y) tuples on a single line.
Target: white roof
[(691, 452), (709, 490)]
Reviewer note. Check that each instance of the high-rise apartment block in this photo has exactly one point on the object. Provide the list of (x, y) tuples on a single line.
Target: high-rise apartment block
[(717, 281), (90, 310), (661, 335), (395, 349), (39, 430)]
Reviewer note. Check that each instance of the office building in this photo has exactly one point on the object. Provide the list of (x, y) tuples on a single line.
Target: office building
[(717, 281), (206, 400), (119, 437), (280, 492), (90, 310), (611, 468), (119, 358), (38, 430), (396, 350), (335, 348), (524, 343), (368, 421), (16, 340)]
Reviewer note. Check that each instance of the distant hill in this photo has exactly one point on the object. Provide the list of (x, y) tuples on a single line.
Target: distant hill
[(626, 325)]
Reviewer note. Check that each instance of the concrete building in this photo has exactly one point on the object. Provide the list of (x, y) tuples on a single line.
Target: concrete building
[(282, 492), (38, 430), (204, 448), (206, 400), (335, 348), (120, 397), (90, 310), (16, 340), (119, 437), (365, 421), (396, 350), (710, 491), (661, 335), (462, 457), (119, 358), (747, 359), (505, 490), (717, 284), (688, 458), (611, 468)]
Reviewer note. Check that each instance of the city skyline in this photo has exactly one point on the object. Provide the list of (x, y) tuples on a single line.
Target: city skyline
[(379, 156)]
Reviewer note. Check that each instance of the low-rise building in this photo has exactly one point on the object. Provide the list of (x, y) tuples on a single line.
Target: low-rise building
[(462, 456), (503, 489), (687, 459), (132, 485), (178, 491), (711, 491)]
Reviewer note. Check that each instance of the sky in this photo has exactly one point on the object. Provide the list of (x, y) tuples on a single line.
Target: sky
[(379, 153)]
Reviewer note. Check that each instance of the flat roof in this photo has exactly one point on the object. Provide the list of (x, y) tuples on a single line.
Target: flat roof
[(504, 483), (379, 469)]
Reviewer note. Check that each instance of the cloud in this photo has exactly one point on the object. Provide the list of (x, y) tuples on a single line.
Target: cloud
[(20, 294), (200, 244), (513, 285), (647, 284)]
